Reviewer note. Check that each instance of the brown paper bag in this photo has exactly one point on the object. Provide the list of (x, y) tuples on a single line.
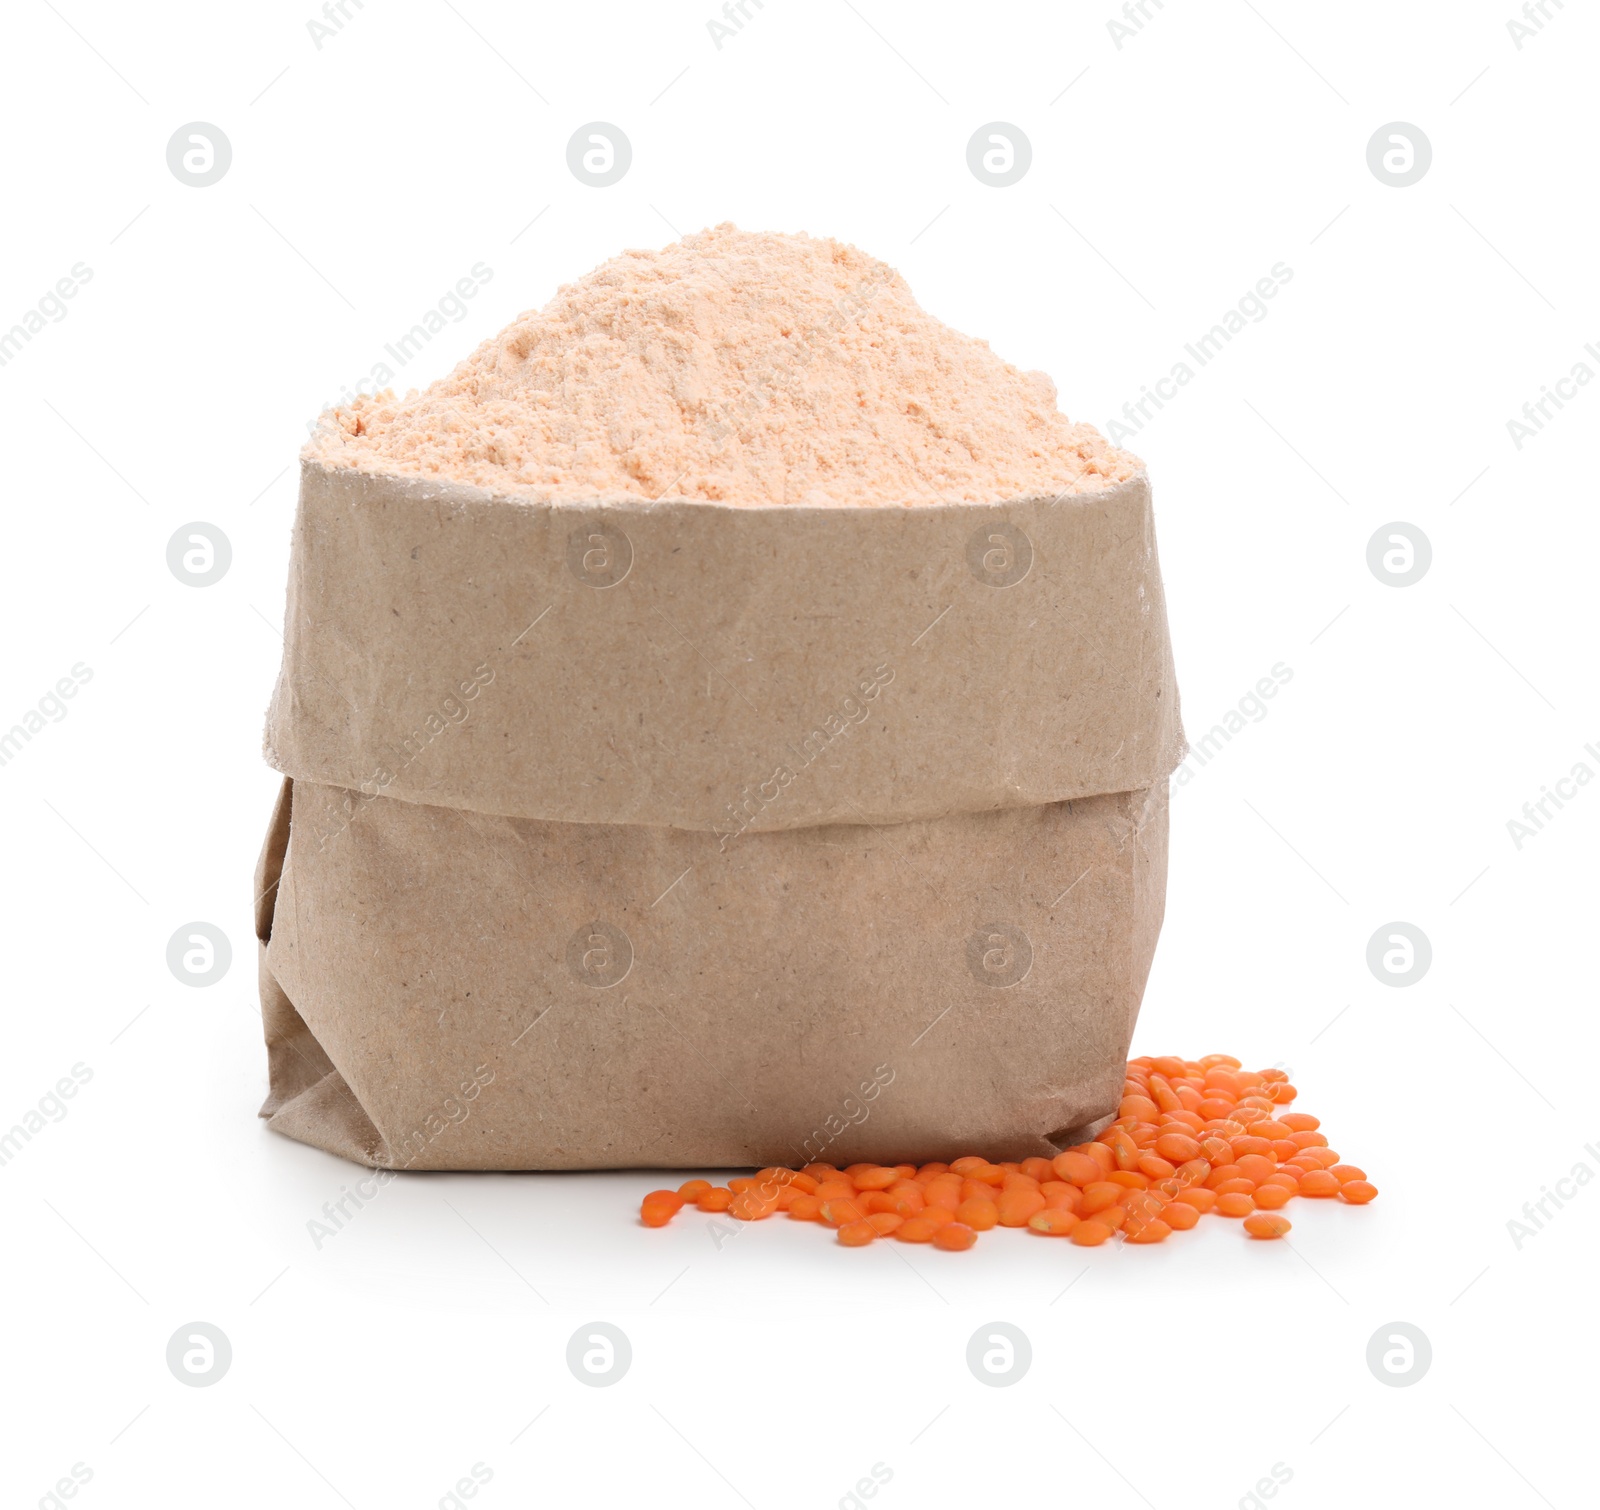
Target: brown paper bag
[(684, 834)]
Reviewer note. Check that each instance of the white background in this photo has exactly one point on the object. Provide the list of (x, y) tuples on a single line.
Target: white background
[(1167, 176)]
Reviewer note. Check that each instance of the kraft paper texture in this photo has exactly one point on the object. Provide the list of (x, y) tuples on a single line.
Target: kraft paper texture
[(506, 993), (689, 835), (710, 666)]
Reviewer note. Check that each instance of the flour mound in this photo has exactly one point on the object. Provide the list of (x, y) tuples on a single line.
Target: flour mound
[(735, 367)]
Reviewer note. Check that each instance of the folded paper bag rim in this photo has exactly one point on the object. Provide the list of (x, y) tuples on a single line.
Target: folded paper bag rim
[(663, 662)]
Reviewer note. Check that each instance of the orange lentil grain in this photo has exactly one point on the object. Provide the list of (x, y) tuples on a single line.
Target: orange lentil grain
[(1017, 1206), (1235, 1203), (1052, 1223), (954, 1237), (1163, 1094), (906, 1199), (1177, 1148), (1102, 1155), (836, 1213), (1142, 1209), (1264, 1225), (940, 1193), (1180, 1216), (979, 1215), (1076, 1168), (1257, 1166), (659, 1207), (1098, 1196), (1156, 1231), (752, 1206), (1358, 1192), (1123, 1149)]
